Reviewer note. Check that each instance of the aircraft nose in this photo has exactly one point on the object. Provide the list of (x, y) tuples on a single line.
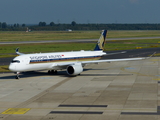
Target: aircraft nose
[(12, 68)]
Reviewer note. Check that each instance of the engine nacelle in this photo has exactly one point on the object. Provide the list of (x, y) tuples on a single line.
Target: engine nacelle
[(74, 69)]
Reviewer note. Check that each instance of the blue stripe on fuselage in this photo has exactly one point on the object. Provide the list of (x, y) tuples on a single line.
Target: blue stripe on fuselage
[(63, 59)]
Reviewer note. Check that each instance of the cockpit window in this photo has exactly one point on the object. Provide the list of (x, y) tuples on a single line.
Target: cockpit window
[(15, 61)]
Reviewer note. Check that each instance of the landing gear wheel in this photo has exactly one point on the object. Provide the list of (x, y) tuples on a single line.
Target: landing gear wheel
[(49, 72), (54, 71), (17, 77)]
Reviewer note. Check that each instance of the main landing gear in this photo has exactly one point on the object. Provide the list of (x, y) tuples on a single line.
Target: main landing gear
[(17, 75), (52, 71)]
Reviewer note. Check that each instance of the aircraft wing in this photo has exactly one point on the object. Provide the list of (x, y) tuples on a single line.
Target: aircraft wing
[(65, 64), (111, 60)]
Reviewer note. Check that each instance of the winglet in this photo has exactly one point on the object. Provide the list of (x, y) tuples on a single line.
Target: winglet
[(101, 41), (151, 55), (18, 52)]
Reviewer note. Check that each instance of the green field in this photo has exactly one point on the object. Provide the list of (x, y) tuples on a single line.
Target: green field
[(133, 33), (63, 35), (46, 35), (4, 68), (9, 50)]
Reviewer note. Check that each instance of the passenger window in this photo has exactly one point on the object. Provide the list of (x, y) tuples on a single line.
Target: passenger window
[(15, 61)]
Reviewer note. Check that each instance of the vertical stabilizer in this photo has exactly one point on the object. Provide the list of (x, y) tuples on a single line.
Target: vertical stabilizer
[(101, 41)]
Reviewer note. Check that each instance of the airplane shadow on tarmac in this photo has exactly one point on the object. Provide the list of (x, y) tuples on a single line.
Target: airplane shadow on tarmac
[(60, 73), (34, 74)]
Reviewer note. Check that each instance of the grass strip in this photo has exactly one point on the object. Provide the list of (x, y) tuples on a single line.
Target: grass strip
[(4, 68), (9, 50), (6, 36)]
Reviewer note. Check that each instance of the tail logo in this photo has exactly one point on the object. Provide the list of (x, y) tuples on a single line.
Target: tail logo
[(101, 41)]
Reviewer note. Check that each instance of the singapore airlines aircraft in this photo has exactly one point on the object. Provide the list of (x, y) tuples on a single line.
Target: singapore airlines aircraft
[(73, 61)]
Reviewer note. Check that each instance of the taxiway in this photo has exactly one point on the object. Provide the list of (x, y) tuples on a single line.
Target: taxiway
[(115, 91)]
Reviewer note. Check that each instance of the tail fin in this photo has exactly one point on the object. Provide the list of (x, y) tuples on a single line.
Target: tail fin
[(101, 41)]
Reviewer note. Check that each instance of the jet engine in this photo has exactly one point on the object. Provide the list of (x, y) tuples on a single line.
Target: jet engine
[(75, 69)]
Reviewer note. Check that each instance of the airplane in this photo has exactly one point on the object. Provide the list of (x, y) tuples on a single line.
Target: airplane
[(73, 61)]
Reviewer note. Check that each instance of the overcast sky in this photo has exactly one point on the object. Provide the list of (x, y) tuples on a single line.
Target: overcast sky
[(80, 11)]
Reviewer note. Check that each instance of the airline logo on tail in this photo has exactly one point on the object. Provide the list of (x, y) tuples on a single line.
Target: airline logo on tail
[(101, 41)]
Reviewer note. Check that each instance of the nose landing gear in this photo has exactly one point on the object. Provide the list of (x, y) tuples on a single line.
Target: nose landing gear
[(17, 75)]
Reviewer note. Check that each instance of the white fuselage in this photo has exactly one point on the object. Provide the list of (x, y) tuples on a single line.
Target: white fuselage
[(49, 61)]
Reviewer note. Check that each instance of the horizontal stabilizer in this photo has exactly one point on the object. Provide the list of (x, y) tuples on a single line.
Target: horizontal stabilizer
[(116, 53), (17, 51)]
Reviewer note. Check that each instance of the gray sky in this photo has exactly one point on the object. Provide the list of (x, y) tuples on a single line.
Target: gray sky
[(81, 11)]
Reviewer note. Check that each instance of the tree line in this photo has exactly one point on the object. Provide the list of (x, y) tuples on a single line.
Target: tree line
[(75, 26)]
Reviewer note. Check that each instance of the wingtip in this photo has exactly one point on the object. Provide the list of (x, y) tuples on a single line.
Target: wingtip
[(150, 56)]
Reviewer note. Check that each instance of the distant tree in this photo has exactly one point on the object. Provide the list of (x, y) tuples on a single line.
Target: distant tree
[(4, 25), (23, 25), (42, 23), (73, 23), (17, 25), (51, 24), (0, 25)]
